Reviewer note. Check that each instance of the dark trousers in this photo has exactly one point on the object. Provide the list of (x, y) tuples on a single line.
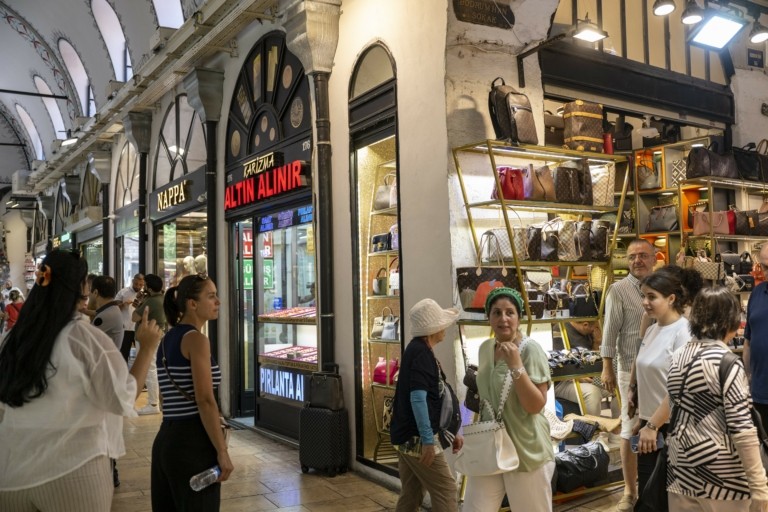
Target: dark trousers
[(125, 348), (180, 451), (647, 461)]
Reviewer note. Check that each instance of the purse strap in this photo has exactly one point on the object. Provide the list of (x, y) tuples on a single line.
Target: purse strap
[(676, 401), (165, 365), (391, 313), (505, 390)]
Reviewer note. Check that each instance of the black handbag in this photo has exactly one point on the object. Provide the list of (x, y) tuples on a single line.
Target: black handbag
[(472, 400), (663, 218), (533, 236), (380, 242), (585, 465), (584, 240), (703, 162), (751, 165), (325, 390), (600, 240), (584, 303)]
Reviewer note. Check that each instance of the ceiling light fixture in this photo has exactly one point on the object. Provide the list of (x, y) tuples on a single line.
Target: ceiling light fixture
[(759, 33), (716, 30), (588, 31), (663, 7), (692, 14)]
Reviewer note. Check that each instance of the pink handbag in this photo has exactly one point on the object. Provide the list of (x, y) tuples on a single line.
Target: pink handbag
[(703, 220), (384, 373)]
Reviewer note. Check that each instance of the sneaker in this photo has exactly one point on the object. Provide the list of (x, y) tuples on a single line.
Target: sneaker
[(626, 503), (148, 409)]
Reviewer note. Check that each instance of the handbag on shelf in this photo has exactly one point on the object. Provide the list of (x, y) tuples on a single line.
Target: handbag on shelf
[(380, 282), (543, 184), (394, 237), (566, 235), (703, 162), (717, 221), (582, 465), (488, 449), (537, 308), (541, 278), (619, 259), (648, 175), (601, 240), (584, 303), (603, 184), (583, 126), (512, 184), (712, 270), (735, 263), (662, 218), (758, 273), (746, 282), (584, 240), (325, 389), (475, 283), (394, 277), (383, 196), (622, 134), (385, 327), (752, 166), (627, 222), (533, 242), (549, 241), (557, 303), (511, 114), (573, 183), (386, 416), (597, 277), (380, 242), (384, 372)]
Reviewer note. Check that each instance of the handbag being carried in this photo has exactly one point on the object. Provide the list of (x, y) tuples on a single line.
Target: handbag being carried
[(488, 449)]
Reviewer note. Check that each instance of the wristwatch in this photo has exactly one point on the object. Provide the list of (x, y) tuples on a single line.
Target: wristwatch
[(652, 426), (517, 372)]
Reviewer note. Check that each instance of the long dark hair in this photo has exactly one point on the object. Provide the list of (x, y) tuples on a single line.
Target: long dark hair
[(684, 283), (176, 297), (25, 356)]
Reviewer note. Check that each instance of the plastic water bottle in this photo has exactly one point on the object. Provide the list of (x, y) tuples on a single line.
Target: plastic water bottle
[(202, 480)]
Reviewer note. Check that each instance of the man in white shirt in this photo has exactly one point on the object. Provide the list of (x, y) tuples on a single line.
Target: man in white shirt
[(127, 298)]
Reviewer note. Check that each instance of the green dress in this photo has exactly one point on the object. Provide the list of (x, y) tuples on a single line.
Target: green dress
[(529, 432)]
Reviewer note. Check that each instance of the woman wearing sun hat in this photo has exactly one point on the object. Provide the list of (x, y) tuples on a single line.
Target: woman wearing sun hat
[(416, 414), (509, 351)]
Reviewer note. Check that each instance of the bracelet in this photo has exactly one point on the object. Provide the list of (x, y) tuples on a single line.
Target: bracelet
[(651, 426), (517, 372)]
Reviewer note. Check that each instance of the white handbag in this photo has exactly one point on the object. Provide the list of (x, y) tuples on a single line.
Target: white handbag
[(488, 449), (603, 184)]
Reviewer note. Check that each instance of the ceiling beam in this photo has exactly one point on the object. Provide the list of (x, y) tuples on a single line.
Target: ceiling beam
[(37, 94)]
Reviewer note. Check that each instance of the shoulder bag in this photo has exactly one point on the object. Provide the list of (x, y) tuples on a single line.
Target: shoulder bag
[(488, 449), (225, 428), (450, 413), (717, 220), (703, 162), (543, 184), (603, 184), (383, 197), (648, 176), (662, 218), (512, 184)]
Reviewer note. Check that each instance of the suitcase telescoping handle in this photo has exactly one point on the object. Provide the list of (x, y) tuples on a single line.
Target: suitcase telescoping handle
[(331, 368)]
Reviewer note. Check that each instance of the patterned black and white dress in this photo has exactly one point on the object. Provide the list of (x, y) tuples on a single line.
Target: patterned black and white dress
[(703, 462)]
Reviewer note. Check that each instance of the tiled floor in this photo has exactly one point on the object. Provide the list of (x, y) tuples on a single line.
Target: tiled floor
[(268, 477)]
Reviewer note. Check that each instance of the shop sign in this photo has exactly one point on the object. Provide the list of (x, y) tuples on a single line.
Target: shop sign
[(268, 271), (62, 240), (263, 183), (484, 12), (247, 243), (173, 196), (248, 274), (282, 383), (285, 219), (266, 252), (755, 58)]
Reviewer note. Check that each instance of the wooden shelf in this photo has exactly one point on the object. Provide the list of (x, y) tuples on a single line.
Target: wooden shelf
[(542, 206), (388, 212)]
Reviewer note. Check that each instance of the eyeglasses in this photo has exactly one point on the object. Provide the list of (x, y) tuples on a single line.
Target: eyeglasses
[(642, 257)]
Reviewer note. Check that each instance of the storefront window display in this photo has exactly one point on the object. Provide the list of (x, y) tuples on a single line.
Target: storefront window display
[(181, 247), (128, 257), (93, 253)]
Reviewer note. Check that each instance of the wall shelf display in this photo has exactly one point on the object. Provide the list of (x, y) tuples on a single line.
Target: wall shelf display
[(380, 299)]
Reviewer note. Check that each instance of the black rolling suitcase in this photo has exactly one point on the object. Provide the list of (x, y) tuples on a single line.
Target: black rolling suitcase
[(323, 440)]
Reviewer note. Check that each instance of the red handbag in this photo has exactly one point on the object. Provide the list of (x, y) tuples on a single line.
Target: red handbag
[(512, 187), (731, 222), (384, 373)]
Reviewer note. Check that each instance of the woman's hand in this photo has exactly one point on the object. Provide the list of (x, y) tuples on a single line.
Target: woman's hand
[(647, 442), (632, 402), (427, 454), (510, 353), (458, 443), (225, 464)]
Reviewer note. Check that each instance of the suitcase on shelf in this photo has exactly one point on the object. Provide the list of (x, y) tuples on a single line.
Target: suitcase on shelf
[(323, 440), (583, 126)]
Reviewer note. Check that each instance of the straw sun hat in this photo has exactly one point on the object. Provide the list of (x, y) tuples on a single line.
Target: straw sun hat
[(427, 317)]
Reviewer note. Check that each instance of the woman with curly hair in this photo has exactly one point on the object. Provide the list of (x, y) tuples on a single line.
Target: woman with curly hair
[(64, 388)]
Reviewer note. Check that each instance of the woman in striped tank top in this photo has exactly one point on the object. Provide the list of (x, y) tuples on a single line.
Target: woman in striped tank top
[(190, 439)]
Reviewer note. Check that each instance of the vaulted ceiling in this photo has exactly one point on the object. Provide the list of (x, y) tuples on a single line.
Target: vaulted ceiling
[(34, 36)]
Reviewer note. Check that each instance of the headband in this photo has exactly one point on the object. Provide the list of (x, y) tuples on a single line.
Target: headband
[(505, 292)]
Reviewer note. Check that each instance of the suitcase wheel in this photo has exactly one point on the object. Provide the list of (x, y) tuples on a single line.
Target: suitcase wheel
[(304, 469)]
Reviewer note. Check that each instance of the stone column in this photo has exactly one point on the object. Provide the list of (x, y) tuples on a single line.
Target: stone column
[(138, 129)]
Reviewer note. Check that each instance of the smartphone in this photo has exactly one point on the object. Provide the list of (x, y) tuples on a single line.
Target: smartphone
[(635, 439)]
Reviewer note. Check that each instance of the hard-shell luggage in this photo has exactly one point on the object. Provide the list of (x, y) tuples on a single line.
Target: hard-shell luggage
[(583, 126), (323, 440), (511, 114)]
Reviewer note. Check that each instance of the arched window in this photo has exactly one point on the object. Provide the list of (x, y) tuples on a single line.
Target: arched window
[(26, 120), (374, 68), (127, 181), (78, 74), (169, 13), (181, 148), (114, 37), (52, 107)]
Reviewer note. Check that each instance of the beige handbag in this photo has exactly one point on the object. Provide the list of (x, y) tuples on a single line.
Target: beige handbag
[(603, 184), (566, 234), (712, 270)]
